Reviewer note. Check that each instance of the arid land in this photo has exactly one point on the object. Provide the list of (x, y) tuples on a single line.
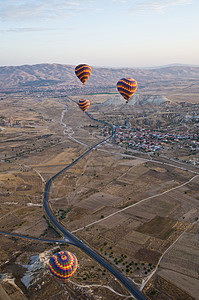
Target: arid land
[(138, 210)]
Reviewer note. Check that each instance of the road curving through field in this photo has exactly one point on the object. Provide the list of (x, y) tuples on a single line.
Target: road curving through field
[(67, 236)]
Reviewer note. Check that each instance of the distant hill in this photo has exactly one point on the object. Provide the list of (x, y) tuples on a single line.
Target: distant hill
[(43, 76)]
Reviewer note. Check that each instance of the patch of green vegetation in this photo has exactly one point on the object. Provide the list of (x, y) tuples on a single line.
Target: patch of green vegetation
[(169, 233), (63, 213)]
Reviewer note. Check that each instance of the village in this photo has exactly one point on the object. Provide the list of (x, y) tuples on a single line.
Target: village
[(158, 141)]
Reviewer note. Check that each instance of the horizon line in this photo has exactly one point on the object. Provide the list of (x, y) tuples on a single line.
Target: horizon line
[(108, 67)]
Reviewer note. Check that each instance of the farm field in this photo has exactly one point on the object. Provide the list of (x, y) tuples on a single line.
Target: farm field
[(128, 208)]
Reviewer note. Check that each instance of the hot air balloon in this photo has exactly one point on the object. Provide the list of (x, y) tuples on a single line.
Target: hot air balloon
[(83, 72), (84, 104), (63, 265), (127, 87)]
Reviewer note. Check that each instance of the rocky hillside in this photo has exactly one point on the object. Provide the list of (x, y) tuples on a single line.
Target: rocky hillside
[(116, 100), (63, 76)]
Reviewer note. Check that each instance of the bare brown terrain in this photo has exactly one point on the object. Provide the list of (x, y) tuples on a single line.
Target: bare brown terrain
[(178, 83), (138, 210)]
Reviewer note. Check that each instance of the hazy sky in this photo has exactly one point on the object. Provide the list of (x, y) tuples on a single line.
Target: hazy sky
[(116, 33)]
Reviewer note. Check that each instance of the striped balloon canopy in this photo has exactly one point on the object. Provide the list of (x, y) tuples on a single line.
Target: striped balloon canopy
[(63, 265), (83, 72), (84, 104), (127, 87)]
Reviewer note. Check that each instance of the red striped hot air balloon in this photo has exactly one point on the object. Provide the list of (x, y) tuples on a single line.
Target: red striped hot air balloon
[(84, 104), (127, 87), (83, 72), (63, 265)]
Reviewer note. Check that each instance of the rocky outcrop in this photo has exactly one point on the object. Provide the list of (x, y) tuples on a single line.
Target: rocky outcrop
[(137, 99)]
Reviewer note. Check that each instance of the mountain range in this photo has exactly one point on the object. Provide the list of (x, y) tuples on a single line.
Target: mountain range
[(59, 76)]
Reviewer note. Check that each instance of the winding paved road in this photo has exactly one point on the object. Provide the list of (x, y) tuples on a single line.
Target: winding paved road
[(73, 240), (33, 238)]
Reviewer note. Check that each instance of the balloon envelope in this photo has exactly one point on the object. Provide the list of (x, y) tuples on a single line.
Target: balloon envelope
[(63, 265), (127, 87), (84, 104), (83, 72)]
